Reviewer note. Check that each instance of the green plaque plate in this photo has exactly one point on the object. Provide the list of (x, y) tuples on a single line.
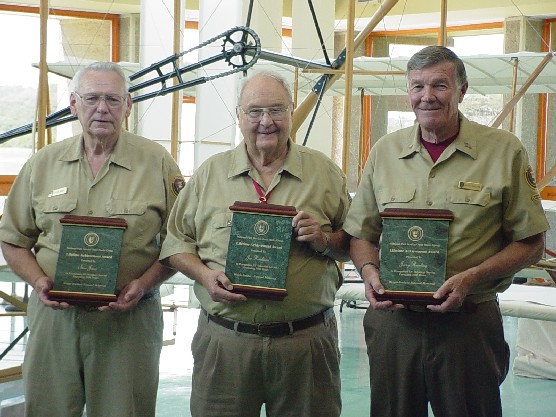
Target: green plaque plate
[(259, 249), (88, 261), (413, 254)]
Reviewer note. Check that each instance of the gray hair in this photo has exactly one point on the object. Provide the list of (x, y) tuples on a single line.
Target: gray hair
[(265, 73), (432, 55), (102, 67)]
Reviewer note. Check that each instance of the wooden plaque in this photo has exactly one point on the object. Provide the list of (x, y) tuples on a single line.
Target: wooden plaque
[(88, 261), (259, 248), (413, 255)]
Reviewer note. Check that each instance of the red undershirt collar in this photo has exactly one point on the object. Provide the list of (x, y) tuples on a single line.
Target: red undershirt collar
[(436, 149)]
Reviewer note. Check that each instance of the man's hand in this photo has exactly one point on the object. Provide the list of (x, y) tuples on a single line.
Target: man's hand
[(455, 288), (371, 279), (128, 297), (307, 229), (41, 286), (219, 288)]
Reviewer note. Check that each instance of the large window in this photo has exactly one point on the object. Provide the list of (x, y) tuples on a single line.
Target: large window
[(19, 81), (71, 38), (479, 108)]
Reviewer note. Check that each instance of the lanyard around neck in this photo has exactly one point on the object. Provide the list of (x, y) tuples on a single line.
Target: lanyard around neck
[(263, 198)]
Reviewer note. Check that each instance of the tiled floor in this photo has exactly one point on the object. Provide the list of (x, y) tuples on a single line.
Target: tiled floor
[(522, 397)]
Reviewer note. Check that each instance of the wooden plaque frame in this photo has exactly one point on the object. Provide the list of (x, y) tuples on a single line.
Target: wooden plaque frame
[(256, 263), (89, 257), (433, 224)]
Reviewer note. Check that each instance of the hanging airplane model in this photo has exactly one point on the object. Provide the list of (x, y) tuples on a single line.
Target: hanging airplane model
[(241, 50), (235, 42)]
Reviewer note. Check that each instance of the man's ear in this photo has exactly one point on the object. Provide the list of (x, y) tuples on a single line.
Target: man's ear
[(73, 99), (129, 103), (463, 90)]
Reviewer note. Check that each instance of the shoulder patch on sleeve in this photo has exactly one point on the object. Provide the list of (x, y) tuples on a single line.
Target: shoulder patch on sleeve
[(536, 197), (177, 184), (530, 179)]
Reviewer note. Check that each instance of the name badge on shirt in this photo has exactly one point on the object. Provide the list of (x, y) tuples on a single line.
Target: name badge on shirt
[(58, 191), (467, 185)]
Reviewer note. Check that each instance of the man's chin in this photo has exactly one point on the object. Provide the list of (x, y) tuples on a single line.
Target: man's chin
[(100, 132), (430, 123), (266, 140)]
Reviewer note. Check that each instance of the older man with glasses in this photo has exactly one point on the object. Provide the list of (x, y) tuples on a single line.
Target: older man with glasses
[(248, 351), (103, 358)]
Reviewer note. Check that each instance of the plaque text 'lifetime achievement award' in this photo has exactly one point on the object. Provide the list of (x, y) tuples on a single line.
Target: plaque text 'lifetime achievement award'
[(88, 261), (259, 248), (413, 254)]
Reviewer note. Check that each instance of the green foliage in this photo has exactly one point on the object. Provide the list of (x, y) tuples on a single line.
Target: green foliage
[(17, 106), (482, 109)]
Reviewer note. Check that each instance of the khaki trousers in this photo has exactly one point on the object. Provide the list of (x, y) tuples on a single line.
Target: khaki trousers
[(295, 375), (105, 361)]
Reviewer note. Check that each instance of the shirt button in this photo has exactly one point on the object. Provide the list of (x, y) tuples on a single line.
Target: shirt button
[(126, 211), (90, 212), (392, 198), (467, 199), (429, 203), (55, 208)]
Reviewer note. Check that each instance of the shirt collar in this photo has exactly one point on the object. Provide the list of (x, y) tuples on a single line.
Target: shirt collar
[(412, 143), (74, 151), (241, 164), (465, 142), (119, 156), (467, 139)]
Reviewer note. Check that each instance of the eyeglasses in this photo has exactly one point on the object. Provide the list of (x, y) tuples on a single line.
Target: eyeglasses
[(256, 114), (93, 100)]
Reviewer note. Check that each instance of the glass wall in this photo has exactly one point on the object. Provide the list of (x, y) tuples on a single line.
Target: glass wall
[(72, 38), (479, 108), (19, 82)]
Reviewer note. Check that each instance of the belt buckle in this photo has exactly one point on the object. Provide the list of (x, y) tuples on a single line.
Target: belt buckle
[(268, 330)]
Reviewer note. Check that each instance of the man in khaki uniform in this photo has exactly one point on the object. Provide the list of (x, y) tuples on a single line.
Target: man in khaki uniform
[(250, 351), (105, 358), (453, 357)]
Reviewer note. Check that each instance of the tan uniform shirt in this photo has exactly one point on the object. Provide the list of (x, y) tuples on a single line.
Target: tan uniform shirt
[(483, 177), (138, 183), (200, 224)]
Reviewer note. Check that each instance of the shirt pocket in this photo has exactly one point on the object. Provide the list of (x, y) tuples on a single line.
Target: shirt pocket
[(472, 209), (133, 212), (126, 207), (470, 197), (220, 236), (62, 205), (49, 212), (397, 197)]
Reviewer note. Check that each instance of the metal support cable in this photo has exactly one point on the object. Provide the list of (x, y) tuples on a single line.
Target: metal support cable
[(319, 34)]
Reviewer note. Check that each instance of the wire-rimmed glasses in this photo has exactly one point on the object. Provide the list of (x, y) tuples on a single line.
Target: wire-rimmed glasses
[(256, 114), (93, 100)]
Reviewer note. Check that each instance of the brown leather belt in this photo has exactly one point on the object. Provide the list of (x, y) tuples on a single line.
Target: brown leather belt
[(277, 329)]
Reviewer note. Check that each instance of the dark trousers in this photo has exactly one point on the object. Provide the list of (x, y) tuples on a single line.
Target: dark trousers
[(455, 361)]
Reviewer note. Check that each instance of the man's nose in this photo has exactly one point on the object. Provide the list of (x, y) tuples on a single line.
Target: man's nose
[(265, 118), (102, 106), (428, 94)]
